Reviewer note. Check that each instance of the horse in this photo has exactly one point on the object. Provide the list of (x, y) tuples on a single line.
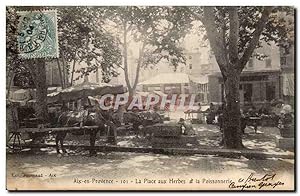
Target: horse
[(83, 118)]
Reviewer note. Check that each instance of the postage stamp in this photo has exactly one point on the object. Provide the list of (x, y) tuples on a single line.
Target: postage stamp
[(37, 37)]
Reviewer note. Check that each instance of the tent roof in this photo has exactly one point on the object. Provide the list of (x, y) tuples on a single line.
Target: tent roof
[(84, 90), (174, 78), (167, 78)]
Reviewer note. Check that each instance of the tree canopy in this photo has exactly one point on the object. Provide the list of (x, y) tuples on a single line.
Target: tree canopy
[(83, 40), (247, 26), (157, 30)]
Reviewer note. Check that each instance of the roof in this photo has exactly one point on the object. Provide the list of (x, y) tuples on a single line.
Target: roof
[(200, 79), (167, 78), (174, 78), (250, 72)]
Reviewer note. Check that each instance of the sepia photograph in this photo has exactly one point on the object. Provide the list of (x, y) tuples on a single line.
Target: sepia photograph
[(150, 98)]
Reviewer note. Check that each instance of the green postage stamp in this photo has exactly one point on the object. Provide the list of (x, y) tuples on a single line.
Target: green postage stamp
[(37, 36)]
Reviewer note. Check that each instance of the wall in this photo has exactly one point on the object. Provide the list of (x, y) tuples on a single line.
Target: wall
[(272, 52)]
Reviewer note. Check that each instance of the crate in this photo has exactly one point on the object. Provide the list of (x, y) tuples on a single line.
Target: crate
[(164, 130)]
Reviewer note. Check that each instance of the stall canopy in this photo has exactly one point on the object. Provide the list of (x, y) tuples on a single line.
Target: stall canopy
[(25, 97), (85, 90)]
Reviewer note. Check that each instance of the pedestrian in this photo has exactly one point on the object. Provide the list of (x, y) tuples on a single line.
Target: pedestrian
[(286, 121), (199, 114), (104, 118), (211, 114)]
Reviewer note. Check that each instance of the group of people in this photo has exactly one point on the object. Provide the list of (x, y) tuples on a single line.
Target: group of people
[(216, 114)]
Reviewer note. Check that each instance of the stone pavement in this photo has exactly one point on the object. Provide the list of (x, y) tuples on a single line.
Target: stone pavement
[(258, 145), (209, 137)]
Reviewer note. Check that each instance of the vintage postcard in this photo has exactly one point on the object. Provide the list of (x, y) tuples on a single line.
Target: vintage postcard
[(165, 98)]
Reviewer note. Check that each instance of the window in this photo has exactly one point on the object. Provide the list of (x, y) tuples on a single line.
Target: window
[(186, 90), (172, 89), (270, 91), (250, 63), (202, 87), (152, 88), (191, 66), (268, 62), (247, 92), (190, 57), (283, 60)]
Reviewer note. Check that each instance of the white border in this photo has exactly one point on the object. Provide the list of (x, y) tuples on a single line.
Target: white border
[(5, 3)]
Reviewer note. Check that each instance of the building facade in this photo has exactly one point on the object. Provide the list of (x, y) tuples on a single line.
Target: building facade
[(287, 77), (259, 81)]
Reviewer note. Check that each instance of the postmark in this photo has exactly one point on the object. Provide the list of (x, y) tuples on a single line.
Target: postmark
[(37, 34)]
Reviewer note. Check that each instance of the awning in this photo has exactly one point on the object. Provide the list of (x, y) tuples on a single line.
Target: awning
[(288, 84), (84, 90)]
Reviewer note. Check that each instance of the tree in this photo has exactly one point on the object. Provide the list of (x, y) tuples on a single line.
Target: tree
[(158, 32), (82, 39), (14, 66), (22, 67), (234, 33)]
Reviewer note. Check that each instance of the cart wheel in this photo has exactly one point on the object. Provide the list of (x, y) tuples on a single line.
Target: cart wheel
[(16, 137)]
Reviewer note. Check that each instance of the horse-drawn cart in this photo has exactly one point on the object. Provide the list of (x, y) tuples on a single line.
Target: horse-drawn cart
[(58, 124), (16, 135)]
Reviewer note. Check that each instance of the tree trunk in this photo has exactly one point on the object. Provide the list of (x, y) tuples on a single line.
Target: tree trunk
[(125, 60), (41, 91), (65, 75), (73, 70), (131, 92), (139, 64), (11, 78), (231, 65), (232, 116), (60, 74)]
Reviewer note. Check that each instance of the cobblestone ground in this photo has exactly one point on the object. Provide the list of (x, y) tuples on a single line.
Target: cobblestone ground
[(126, 168), (208, 136), (263, 140)]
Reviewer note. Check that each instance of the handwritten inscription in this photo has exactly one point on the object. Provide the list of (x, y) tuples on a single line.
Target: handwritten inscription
[(254, 182)]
